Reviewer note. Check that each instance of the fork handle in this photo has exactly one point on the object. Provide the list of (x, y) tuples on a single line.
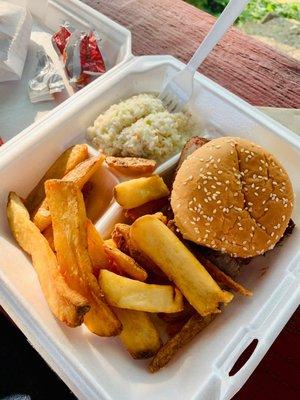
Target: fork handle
[(225, 20)]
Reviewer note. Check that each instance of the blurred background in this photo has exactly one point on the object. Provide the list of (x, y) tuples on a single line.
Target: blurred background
[(275, 22)]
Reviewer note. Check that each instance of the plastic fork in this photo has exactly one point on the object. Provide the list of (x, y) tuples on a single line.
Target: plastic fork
[(179, 88)]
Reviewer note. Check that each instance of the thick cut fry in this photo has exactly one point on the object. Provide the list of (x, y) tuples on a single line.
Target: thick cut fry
[(79, 175), (162, 246), (131, 166), (194, 326), (128, 293), (139, 335), (134, 193), (147, 208), (221, 277), (125, 263), (66, 304), (96, 249), (70, 239), (64, 164)]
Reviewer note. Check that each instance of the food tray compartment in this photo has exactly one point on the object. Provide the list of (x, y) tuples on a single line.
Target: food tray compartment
[(96, 367), (16, 111)]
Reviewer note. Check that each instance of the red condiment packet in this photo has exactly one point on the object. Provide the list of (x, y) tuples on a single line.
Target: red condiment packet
[(81, 54), (1, 141), (61, 37), (90, 55)]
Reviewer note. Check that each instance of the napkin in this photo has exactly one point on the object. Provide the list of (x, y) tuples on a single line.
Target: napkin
[(15, 30)]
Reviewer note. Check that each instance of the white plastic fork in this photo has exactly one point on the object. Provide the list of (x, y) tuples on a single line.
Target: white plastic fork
[(179, 89)]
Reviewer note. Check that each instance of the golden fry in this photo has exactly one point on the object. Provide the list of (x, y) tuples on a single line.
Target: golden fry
[(131, 166), (134, 193), (139, 335), (125, 263), (194, 326), (70, 239), (154, 239), (135, 295), (64, 164), (96, 249), (66, 304), (79, 175)]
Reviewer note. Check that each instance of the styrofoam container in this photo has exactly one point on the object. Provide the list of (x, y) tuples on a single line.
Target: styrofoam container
[(100, 368), (16, 110)]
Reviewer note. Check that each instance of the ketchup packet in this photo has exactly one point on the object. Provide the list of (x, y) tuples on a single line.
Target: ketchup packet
[(80, 53), (60, 38)]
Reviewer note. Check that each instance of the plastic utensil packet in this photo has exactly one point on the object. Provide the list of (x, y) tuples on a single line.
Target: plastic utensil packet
[(15, 30), (46, 82), (81, 54)]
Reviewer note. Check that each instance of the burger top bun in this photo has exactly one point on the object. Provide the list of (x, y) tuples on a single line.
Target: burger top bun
[(233, 196)]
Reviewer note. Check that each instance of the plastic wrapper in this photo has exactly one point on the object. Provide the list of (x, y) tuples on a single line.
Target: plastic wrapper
[(15, 29), (80, 53), (46, 82)]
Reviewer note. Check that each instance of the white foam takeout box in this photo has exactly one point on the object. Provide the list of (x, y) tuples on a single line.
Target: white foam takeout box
[(16, 110), (100, 368)]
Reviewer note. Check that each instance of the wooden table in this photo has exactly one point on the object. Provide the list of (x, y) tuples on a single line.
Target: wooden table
[(259, 75)]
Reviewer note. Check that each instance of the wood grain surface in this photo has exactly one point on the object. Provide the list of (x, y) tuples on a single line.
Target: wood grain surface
[(248, 68)]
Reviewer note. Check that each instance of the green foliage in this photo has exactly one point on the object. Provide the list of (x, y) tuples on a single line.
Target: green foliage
[(254, 11)]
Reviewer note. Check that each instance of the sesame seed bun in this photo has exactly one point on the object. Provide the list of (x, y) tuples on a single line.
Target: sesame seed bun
[(233, 196)]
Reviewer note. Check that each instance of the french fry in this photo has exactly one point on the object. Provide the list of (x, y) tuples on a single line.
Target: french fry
[(127, 293), (120, 236), (70, 239), (125, 263), (131, 166), (134, 193), (96, 249), (110, 242), (66, 304), (161, 245), (191, 329), (64, 164), (221, 277), (148, 208), (139, 336), (79, 175)]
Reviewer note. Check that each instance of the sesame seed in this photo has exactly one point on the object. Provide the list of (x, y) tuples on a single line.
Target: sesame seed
[(266, 209), (245, 248), (240, 228), (256, 194)]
